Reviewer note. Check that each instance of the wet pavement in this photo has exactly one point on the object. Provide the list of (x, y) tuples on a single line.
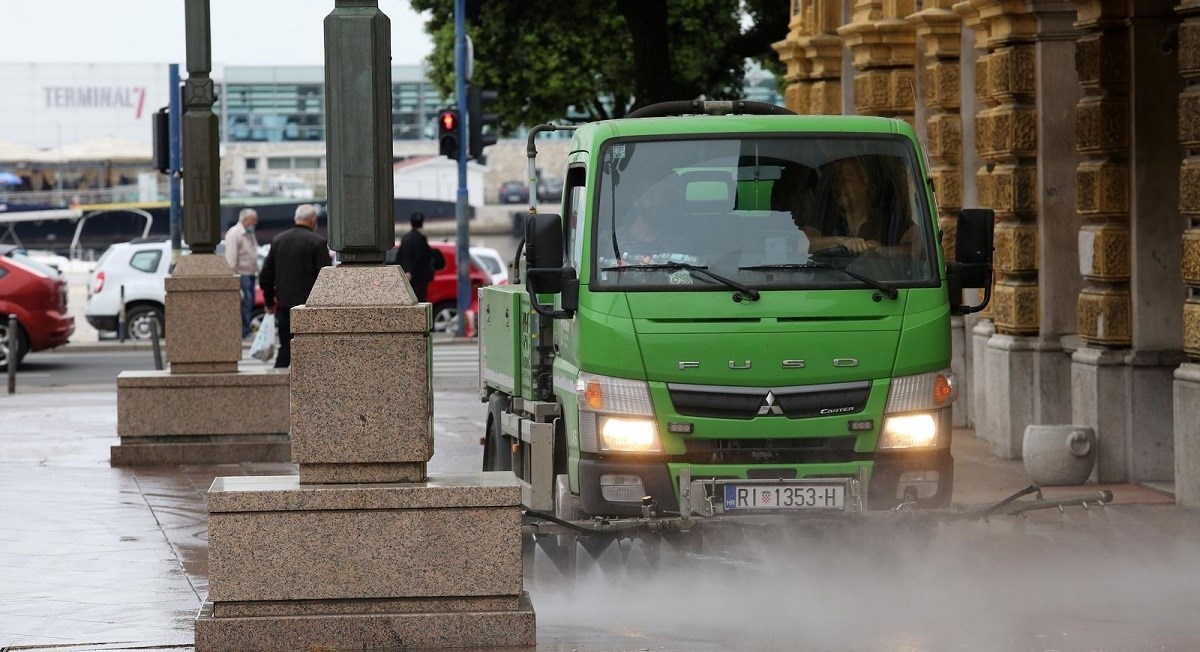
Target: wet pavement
[(95, 558)]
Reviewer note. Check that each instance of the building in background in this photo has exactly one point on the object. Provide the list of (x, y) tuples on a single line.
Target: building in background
[(1079, 124)]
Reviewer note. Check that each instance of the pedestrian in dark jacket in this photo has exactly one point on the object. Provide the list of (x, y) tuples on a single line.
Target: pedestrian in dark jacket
[(416, 256), (296, 257)]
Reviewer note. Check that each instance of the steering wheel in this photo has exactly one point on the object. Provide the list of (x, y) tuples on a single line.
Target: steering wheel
[(837, 251)]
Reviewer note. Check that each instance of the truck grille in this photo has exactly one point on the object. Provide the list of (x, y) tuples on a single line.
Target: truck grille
[(770, 451), (798, 402)]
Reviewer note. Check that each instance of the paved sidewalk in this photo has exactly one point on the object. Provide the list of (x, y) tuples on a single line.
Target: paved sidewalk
[(96, 558)]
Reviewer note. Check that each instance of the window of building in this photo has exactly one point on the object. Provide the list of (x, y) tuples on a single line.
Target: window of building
[(251, 164), (279, 163), (307, 162)]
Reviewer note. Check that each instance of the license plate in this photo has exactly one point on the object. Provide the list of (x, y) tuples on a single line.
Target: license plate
[(784, 496)]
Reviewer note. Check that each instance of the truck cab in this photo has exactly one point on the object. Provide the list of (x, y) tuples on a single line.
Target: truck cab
[(756, 303)]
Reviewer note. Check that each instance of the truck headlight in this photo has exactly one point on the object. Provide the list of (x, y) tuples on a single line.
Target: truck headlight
[(628, 435), (615, 414), (908, 431)]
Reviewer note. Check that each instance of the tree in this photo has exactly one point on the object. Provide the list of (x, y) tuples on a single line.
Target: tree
[(602, 59)]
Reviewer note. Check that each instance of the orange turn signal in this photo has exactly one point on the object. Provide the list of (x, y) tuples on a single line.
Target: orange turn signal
[(942, 391), (593, 395)]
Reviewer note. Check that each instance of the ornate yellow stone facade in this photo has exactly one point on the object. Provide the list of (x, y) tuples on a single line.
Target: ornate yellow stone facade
[(939, 38), (1103, 312), (1189, 171), (1006, 139), (886, 39), (884, 45), (812, 52)]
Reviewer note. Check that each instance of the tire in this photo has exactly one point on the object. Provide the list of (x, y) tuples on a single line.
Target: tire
[(445, 316), (22, 344), (139, 321), (497, 455)]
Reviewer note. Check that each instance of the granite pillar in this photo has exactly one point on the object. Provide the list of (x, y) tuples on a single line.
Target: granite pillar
[(366, 550), (202, 410), (363, 550)]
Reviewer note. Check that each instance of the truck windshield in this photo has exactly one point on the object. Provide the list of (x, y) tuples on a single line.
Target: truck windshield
[(769, 212)]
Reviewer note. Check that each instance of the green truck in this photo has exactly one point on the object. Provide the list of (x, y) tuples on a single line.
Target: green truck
[(739, 311)]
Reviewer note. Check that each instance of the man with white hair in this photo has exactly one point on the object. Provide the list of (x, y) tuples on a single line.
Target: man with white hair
[(241, 252), (296, 257)]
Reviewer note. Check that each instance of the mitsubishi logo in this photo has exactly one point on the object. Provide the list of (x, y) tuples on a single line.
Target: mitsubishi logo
[(769, 406)]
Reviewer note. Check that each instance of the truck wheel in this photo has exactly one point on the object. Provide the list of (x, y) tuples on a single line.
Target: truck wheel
[(497, 455)]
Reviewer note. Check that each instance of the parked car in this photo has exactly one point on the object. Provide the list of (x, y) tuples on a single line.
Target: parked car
[(514, 192), (443, 291), (550, 189), (493, 263), (140, 266), (37, 295)]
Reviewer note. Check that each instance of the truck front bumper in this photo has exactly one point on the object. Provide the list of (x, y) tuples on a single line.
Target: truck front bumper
[(924, 478)]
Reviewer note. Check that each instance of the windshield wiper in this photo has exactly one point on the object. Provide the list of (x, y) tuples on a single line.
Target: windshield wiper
[(698, 269), (887, 289)]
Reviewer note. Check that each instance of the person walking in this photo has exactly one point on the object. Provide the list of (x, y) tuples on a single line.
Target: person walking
[(296, 257), (416, 256), (241, 252)]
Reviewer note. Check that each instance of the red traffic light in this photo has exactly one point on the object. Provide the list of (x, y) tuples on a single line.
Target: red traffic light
[(449, 120)]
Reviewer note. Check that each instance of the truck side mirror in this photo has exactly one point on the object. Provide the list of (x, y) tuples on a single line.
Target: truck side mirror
[(544, 250), (545, 273), (972, 266)]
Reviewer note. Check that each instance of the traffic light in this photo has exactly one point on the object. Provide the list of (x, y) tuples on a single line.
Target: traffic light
[(160, 126), (477, 100), (448, 133)]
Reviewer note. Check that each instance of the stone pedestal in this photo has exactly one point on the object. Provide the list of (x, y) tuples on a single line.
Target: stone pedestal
[(1026, 383), (386, 566), (204, 316), (166, 419), (202, 411), (363, 550), (980, 334), (960, 364), (1187, 435), (1126, 398)]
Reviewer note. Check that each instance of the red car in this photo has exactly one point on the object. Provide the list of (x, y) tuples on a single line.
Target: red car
[(443, 291), (37, 295)]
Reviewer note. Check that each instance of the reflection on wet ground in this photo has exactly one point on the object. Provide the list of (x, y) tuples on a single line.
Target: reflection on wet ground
[(94, 558)]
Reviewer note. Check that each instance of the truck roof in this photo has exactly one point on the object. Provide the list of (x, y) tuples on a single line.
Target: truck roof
[(590, 135)]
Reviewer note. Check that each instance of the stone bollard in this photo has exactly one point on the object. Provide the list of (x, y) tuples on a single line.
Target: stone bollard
[(1059, 455)]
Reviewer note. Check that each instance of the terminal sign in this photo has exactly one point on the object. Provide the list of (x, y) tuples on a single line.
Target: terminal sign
[(96, 97)]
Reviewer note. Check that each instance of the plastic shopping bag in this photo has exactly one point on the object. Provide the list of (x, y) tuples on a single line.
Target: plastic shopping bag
[(263, 346)]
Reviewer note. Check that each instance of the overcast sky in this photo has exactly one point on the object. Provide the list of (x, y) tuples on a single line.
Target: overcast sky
[(244, 32)]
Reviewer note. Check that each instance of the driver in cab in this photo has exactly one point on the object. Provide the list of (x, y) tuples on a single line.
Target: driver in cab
[(841, 208)]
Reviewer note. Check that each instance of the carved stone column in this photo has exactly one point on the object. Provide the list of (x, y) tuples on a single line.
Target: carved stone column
[(1006, 83), (1187, 377), (813, 54), (1102, 135), (884, 47), (1129, 312), (939, 39)]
